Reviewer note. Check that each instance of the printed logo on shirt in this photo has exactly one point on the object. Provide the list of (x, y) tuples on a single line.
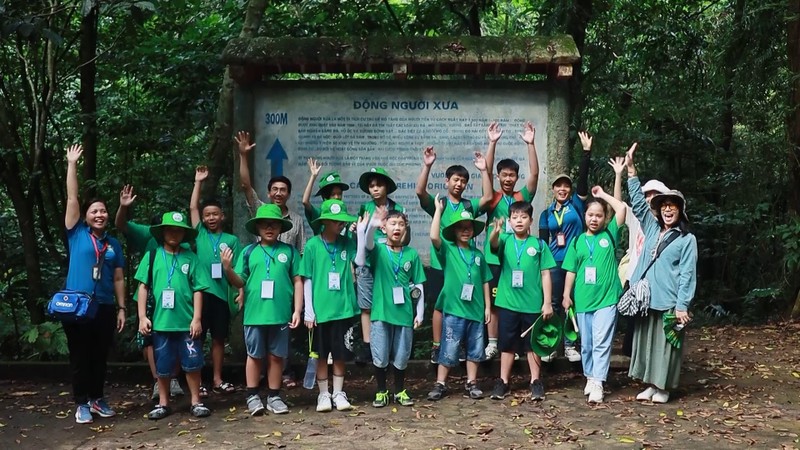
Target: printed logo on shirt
[(344, 255), (110, 254), (185, 269), (604, 242), (283, 258), (531, 251), (407, 266), (477, 260), (177, 217)]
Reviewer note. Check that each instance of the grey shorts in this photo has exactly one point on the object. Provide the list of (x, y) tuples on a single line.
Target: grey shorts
[(364, 282), (262, 339)]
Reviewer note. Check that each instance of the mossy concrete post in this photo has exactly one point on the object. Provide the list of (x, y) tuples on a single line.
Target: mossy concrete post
[(558, 131)]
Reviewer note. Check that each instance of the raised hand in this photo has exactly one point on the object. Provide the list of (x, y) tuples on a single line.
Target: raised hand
[(200, 173), (528, 133), (629, 154), (618, 164), (314, 166), (363, 221), (586, 140), (126, 196), (438, 204), (494, 132), (480, 161), (74, 153), (428, 156), (226, 256), (597, 192), (498, 225), (243, 139)]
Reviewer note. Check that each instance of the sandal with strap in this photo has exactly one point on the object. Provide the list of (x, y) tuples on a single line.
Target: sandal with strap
[(224, 388), (203, 392)]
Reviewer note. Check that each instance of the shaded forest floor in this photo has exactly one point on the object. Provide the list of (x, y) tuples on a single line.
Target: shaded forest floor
[(741, 387)]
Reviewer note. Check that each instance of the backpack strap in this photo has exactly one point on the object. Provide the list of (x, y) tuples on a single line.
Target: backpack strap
[(247, 251), (150, 269), (495, 200)]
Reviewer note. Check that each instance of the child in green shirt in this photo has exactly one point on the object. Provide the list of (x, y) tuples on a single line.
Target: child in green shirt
[(464, 297), (269, 271), (398, 278), (523, 292), (330, 298), (591, 266), (176, 324), (331, 186), (208, 218)]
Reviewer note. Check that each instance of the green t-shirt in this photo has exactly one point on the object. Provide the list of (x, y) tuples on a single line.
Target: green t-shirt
[(209, 246), (595, 251), (449, 209), (279, 263), (463, 267), (320, 259), (370, 206), (501, 211), (139, 238), (312, 213), (390, 269), (532, 257), (183, 281)]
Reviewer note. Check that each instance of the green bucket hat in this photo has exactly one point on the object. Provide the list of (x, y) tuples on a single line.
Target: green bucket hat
[(173, 219), (569, 328), (449, 231), (268, 211), (333, 209), (331, 179), (545, 335), (363, 181)]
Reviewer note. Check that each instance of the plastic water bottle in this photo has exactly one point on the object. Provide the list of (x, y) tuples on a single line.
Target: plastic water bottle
[(311, 371)]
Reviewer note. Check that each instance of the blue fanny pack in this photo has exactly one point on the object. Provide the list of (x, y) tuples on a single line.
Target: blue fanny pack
[(72, 306)]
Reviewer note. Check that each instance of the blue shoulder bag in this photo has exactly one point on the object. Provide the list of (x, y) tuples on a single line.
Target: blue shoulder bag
[(71, 306)]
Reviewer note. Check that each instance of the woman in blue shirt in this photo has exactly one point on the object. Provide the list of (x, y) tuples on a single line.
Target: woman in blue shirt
[(672, 278), (561, 222), (95, 266)]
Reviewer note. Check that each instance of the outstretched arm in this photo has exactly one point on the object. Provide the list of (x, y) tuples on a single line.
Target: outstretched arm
[(529, 135), (313, 167), (243, 140), (583, 168), (73, 214), (618, 164), (486, 182), (126, 199), (436, 238), (200, 175), (494, 133), (620, 209), (428, 158)]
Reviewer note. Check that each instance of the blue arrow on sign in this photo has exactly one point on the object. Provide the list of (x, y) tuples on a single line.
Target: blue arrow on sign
[(276, 155)]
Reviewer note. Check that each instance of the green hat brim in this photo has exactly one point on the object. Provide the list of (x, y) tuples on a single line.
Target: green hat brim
[(449, 231), (344, 187), (251, 228), (363, 182), (568, 329), (341, 217), (157, 231), (544, 344)]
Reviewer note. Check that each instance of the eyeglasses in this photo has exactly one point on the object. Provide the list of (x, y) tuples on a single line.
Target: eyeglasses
[(669, 206)]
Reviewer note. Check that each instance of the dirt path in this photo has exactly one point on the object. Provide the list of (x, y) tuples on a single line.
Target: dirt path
[(741, 388)]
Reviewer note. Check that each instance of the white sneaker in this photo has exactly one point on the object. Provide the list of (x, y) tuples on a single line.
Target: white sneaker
[(549, 358), (647, 394), (340, 400), (491, 351), (572, 354), (596, 392), (324, 402), (661, 396), (588, 388)]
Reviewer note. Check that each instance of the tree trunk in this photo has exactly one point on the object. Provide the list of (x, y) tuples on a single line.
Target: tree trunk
[(220, 149), (577, 22), (793, 119), (88, 102)]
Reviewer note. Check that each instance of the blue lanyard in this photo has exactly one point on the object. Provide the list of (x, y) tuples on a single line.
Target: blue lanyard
[(469, 262), (214, 245), (590, 247), (395, 267), (268, 258), (509, 199), (457, 204), (171, 270), (331, 254), (519, 249)]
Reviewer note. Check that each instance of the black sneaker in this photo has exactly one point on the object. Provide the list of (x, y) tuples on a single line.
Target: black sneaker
[(158, 413), (500, 390), (435, 355), (472, 390), (537, 390), (439, 391)]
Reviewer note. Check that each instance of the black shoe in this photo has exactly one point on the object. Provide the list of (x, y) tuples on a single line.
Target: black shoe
[(439, 391), (537, 390), (500, 390), (473, 391)]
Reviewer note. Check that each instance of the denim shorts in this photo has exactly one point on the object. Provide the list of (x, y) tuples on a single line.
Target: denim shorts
[(390, 344), (262, 339), (457, 331), (172, 346), (364, 281)]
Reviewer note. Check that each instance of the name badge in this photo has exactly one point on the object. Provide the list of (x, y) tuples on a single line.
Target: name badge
[(216, 271), (334, 284), (97, 272), (398, 296), (516, 278), (267, 289), (168, 299), (590, 275), (561, 240), (466, 292)]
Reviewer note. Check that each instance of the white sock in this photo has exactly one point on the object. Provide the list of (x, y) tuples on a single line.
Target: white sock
[(338, 383), (323, 386)]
